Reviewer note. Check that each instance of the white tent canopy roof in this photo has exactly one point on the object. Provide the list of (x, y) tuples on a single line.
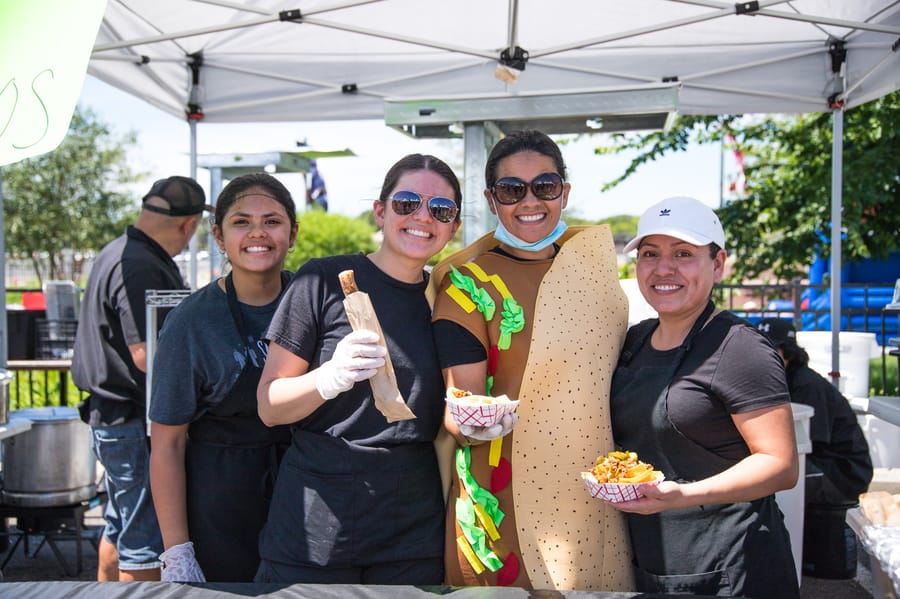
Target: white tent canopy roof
[(295, 60), (491, 64)]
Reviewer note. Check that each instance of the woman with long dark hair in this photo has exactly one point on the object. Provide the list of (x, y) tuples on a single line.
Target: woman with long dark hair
[(213, 461), (358, 498)]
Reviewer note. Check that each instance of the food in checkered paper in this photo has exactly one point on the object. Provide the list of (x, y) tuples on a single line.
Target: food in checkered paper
[(623, 467), (465, 397), (620, 476), (478, 410)]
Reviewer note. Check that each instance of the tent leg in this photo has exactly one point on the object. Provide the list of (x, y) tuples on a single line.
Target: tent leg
[(193, 243), (837, 166), (215, 258), (476, 218), (4, 346)]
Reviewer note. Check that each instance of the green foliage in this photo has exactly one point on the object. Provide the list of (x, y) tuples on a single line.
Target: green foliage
[(38, 389), (890, 385), (13, 297), (453, 246), (624, 225), (323, 234), (573, 220), (784, 216), (69, 198)]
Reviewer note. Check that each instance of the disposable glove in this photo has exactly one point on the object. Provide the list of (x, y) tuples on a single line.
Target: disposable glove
[(356, 358), (489, 433), (180, 565)]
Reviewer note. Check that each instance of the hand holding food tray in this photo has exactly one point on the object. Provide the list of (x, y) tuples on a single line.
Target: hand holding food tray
[(478, 410), (361, 315), (620, 476)]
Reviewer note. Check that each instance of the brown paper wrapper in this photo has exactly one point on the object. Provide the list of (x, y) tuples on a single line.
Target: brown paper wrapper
[(361, 315)]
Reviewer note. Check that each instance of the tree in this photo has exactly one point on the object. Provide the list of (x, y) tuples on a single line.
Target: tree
[(783, 216), (322, 234), (68, 199)]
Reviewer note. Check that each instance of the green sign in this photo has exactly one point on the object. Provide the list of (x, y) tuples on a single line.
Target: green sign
[(45, 46)]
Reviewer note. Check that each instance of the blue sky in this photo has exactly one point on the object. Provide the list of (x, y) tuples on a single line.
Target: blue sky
[(164, 143)]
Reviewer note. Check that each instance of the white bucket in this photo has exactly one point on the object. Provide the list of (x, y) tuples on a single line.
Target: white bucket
[(856, 349), (791, 501), (883, 439)]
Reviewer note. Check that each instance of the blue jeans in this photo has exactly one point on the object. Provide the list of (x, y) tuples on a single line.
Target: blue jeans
[(131, 523)]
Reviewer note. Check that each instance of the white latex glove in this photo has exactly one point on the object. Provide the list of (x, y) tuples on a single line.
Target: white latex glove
[(355, 359), (180, 565), (489, 433)]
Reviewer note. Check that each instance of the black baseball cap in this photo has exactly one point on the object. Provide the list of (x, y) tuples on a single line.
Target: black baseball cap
[(184, 195), (779, 331)]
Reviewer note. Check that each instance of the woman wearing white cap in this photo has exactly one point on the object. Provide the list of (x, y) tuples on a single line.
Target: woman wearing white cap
[(701, 395)]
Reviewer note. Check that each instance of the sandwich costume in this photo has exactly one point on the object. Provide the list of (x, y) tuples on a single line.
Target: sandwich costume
[(518, 513)]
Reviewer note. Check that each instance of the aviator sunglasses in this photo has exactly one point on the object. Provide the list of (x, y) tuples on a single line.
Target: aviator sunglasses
[(511, 190), (406, 202)]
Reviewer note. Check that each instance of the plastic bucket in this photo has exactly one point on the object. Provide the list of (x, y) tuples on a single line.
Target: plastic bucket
[(829, 544), (856, 349), (883, 439), (790, 501)]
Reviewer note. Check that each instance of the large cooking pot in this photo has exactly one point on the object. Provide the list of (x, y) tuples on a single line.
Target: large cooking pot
[(52, 463)]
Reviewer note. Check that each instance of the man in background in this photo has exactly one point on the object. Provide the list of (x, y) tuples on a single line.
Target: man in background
[(839, 467), (110, 365), (317, 194)]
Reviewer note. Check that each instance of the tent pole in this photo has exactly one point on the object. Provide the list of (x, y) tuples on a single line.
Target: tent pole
[(215, 258), (476, 218), (3, 328), (837, 165), (193, 243), (474, 156)]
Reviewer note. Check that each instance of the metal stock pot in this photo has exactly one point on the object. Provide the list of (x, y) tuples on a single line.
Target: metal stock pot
[(52, 463)]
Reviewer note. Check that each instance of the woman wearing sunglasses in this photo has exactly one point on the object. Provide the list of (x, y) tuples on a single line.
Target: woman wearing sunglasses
[(533, 310), (358, 499)]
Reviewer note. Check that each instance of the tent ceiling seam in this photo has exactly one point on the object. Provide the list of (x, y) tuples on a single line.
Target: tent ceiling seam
[(182, 34), (892, 55), (368, 84), (755, 92), (633, 33), (399, 38)]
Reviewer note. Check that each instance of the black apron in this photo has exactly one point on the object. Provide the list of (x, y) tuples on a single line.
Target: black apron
[(340, 505), (736, 549), (231, 462)]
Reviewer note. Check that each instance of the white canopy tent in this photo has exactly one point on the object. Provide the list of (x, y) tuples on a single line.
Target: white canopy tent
[(433, 67), (286, 60)]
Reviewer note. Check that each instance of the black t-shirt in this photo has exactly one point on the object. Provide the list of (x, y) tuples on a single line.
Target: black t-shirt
[(113, 316), (311, 320), (201, 355), (730, 369)]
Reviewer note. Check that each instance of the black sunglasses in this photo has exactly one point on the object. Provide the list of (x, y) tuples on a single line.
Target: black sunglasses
[(510, 190), (407, 202)]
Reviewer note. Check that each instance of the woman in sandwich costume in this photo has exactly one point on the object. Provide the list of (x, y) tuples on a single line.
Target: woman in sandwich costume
[(532, 310)]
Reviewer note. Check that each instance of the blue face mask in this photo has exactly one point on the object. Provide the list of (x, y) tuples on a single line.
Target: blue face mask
[(505, 237)]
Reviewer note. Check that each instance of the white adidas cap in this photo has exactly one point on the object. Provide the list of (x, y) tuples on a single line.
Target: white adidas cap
[(683, 218)]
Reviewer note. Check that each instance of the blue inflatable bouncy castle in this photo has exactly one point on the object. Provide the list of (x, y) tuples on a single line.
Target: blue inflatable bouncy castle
[(879, 277)]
